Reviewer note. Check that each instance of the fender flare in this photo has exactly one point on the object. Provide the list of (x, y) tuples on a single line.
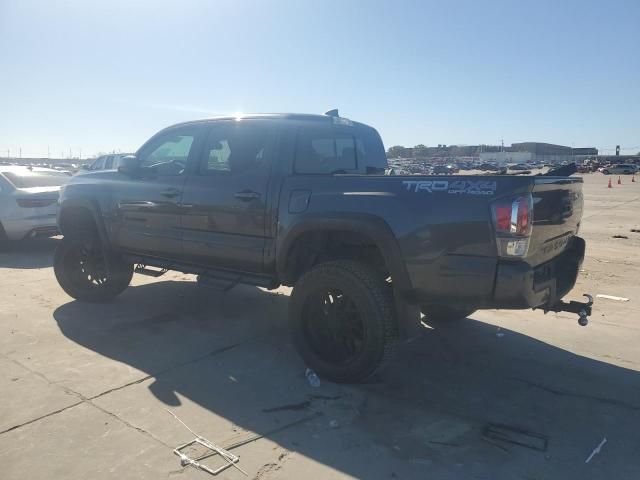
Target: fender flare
[(93, 209), (370, 225)]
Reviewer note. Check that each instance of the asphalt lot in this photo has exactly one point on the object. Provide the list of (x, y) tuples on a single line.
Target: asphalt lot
[(84, 388)]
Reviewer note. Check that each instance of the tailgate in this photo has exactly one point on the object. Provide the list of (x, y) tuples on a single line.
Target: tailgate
[(557, 212)]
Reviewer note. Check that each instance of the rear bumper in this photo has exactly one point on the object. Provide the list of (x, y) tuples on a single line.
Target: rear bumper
[(486, 282), (519, 285), (18, 229)]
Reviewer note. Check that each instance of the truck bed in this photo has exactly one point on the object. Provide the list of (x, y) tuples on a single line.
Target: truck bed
[(444, 225)]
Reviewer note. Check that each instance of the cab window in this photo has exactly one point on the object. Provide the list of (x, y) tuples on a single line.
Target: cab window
[(168, 152)]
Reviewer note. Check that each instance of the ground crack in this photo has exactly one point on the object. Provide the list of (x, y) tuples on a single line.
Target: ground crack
[(607, 401)]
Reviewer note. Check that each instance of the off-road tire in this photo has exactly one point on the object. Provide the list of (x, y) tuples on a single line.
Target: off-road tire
[(370, 296), (75, 283)]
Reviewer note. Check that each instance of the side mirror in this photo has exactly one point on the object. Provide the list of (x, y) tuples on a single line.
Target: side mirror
[(129, 165)]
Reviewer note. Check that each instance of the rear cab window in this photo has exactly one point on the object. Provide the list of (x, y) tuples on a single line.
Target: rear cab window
[(330, 150)]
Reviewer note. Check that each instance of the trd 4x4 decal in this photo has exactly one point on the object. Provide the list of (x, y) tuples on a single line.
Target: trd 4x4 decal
[(467, 187)]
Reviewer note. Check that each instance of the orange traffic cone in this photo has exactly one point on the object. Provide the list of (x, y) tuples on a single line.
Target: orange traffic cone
[(619, 181), (609, 186)]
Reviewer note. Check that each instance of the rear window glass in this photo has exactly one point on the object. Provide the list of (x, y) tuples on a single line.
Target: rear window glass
[(327, 150), (370, 150), (323, 150), (30, 179)]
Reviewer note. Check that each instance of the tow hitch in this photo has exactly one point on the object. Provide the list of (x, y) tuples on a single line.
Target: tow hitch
[(583, 309)]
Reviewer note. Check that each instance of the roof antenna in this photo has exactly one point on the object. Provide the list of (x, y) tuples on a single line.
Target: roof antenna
[(332, 113)]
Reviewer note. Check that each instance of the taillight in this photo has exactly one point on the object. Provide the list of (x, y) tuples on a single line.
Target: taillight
[(513, 221), (35, 202)]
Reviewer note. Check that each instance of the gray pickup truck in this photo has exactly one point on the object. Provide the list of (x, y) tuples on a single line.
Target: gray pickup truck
[(303, 201)]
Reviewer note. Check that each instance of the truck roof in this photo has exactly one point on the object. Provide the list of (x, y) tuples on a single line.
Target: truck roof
[(304, 117)]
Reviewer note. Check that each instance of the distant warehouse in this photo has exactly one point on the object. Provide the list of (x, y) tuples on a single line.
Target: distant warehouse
[(536, 152)]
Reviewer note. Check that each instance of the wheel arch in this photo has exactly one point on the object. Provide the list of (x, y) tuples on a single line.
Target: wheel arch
[(79, 215), (366, 226)]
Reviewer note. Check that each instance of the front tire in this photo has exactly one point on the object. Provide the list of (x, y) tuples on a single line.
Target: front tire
[(88, 273), (445, 313), (343, 321)]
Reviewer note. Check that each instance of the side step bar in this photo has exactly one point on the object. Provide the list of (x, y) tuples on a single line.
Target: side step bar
[(217, 279), (149, 272)]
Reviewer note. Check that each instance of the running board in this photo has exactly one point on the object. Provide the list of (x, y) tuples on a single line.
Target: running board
[(218, 279)]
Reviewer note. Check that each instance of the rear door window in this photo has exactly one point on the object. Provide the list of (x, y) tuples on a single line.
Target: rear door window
[(237, 148)]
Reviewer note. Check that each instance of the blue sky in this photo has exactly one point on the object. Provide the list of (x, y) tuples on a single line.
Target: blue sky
[(100, 76)]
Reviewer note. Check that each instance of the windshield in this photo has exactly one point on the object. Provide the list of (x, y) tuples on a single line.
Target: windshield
[(28, 179)]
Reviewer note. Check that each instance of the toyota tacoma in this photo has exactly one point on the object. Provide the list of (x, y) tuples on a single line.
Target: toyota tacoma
[(303, 201)]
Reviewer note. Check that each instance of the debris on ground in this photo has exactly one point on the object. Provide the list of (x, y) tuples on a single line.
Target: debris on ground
[(312, 378), (612, 297), (212, 449), (596, 450), (620, 236), (635, 230), (334, 424), (515, 436)]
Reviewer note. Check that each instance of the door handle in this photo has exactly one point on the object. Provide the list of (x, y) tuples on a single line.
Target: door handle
[(246, 195), (170, 193)]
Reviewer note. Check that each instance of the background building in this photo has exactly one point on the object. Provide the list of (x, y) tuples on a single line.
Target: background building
[(536, 152)]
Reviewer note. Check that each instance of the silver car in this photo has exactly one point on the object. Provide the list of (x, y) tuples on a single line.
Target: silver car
[(29, 201), (623, 168)]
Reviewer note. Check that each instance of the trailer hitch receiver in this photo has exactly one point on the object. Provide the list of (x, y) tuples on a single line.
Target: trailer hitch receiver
[(583, 309)]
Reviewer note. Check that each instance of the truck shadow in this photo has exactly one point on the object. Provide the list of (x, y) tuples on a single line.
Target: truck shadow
[(29, 253), (230, 354)]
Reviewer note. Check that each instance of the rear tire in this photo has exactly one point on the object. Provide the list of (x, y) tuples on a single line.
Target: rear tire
[(80, 265), (445, 313), (343, 320)]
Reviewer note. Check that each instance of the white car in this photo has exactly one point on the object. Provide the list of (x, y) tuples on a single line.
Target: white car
[(29, 201), (621, 169)]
